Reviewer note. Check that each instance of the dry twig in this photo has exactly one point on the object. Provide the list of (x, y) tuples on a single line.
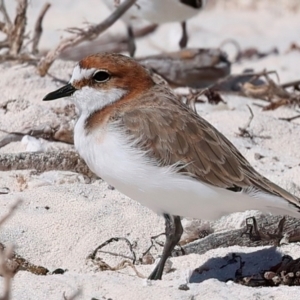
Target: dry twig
[(290, 119), (114, 239), (16, 35), (256, 235), (18, 30), (244, 131), (272, 92), (271, 229), (122, 265), (295, 84), (106, 43), (38, 29), (80, 35)]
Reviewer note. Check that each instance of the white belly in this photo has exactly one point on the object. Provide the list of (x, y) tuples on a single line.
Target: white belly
[(157, 11), (109, 155)]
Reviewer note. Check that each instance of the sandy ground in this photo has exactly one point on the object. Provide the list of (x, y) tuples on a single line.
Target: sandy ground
[(63, 218)]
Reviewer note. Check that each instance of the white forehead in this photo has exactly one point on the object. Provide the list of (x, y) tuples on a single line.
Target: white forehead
[(79, 73)]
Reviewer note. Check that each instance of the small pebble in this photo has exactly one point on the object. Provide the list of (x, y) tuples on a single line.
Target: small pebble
[(258, 156), (183, 287), (59, 271), (4, 190)]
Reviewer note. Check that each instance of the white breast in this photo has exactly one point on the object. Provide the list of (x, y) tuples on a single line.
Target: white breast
[(110, 154), (157, 11)]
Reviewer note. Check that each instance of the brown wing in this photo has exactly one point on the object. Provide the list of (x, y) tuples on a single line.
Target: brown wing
[(172, 133)]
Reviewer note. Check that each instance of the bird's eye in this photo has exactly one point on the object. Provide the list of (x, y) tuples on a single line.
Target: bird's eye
[(101, 76)]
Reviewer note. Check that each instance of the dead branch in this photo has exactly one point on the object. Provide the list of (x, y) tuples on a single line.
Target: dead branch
[(295, 84), (290, 119), (196, 68), (45, 161), (18, 29), (16, 35), (272, 92), (106, 43), (38, 29), (269, 224), (256, 235), (83, 35), (265, 92)]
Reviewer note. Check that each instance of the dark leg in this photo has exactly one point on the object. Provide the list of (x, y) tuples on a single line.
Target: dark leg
[(184, 38), (131, 41), (173, 234)]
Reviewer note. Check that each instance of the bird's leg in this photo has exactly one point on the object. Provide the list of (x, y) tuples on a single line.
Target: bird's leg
[(173, 234), (184, 38), (131, 41)]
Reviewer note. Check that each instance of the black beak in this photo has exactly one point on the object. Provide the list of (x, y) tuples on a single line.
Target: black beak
[(64, 91)]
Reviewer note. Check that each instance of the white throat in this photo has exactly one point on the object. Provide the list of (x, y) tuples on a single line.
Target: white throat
[(88, 100)]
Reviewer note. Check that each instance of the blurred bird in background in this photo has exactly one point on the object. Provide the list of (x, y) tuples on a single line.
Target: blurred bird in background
[(159, 12)]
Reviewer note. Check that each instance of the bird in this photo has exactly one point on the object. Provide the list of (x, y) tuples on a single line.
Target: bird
[(140, 138), (159, 12)]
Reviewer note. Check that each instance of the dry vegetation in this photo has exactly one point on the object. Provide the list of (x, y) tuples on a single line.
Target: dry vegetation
[(17, 41)]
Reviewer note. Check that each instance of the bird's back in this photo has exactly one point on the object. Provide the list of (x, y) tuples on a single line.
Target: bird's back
[(172, 134)]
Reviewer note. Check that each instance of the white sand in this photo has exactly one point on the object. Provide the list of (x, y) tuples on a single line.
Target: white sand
[(82, 216)]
